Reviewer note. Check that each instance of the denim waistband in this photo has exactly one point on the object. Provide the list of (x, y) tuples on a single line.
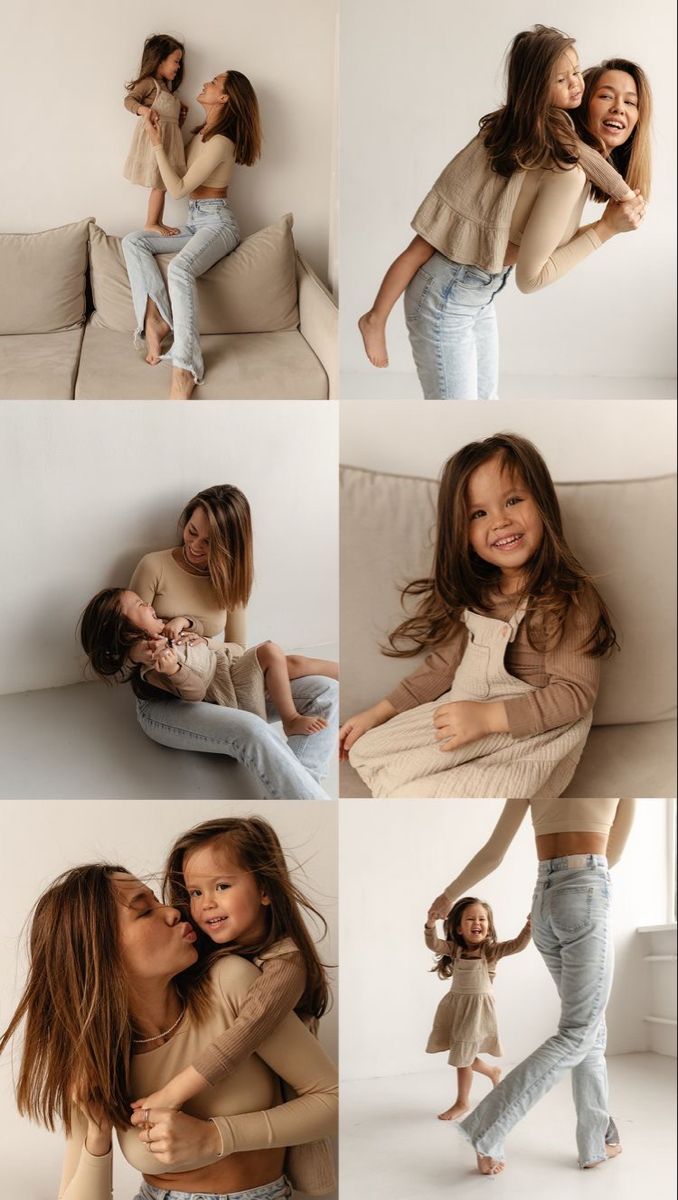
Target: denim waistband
[(210, 200), (267, 1191), (572, 862)]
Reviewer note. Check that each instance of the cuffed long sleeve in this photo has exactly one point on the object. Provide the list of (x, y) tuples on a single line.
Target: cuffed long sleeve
[(212, 154), (541, 258), (492, 853)]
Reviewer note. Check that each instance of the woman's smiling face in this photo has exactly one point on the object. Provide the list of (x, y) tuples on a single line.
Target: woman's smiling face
[(196, 537), (613, 108)]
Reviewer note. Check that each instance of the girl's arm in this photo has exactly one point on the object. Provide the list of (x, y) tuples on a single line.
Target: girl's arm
[(436, 944), (87, 1172), (485, 861), (435, 675), (183, 683), (621, 828), (600, 172), (141, 98), (516, 944), (361, 722), (217, 150), (271, 997)]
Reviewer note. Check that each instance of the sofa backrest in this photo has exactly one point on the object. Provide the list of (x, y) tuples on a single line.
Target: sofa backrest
[(43, 279), (624, 533)]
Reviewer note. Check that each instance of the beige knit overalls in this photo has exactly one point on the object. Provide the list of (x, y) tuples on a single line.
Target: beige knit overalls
[(234, 681), (401, 758), (465, 1021), (141, 166)]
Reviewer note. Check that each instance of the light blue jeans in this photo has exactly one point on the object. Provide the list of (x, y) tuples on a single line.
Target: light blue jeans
[(210, 234), (278, 1190), (449, 309), (286, 770), (571, 930)]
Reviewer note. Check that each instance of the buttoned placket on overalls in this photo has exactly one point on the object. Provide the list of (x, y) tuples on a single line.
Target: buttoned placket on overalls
[(481, 673)]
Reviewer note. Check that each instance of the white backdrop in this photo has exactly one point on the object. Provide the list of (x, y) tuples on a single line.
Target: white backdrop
[(415, 80), (66, 133), (92, 487), (395, 856), (48, 838)]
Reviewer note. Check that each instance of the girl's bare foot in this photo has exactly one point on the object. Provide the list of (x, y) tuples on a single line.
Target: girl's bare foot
[(489, 1166), (610, 1152), (303, 725), (182, 384), (495, 1075), (155, 330), (163, 230), (373, 331), (452, 1114)]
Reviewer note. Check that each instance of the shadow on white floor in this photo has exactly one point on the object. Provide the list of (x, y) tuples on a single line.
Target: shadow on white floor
[(393, 1148), (375, 384)]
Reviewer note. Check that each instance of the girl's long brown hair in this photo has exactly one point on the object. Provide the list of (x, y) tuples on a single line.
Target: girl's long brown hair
[(156, 49), (528, 131), (555, 579), (75, 1005), (230, 557), (254, 845), (444, 966), (633, 159), (240, 120)]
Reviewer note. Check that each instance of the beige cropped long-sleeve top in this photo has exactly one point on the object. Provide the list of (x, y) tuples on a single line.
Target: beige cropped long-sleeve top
[(208, 164), (174, 592), (246, 1107), (561, 815)]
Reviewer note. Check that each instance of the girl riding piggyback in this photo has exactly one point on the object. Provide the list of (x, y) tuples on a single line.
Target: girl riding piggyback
[(503, 704)]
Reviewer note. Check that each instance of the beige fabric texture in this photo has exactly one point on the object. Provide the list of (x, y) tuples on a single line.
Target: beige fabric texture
[(43, 279), (175, 592), (387, 523), (252, 290), (140, 165), (230, 680), (39, 366)]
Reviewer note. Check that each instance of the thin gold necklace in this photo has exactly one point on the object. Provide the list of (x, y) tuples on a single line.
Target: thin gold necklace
[(156, 1037)]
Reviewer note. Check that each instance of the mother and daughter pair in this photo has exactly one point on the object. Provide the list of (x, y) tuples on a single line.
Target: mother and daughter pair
[(513, 197), (515, 628), (230, 134), (178, 635), (134, 1006)]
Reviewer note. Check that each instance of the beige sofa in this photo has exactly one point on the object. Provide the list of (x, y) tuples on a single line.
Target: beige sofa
[(267, 324), (624, 531)]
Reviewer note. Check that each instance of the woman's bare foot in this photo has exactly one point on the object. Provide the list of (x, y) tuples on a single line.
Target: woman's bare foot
[(163, 230), (489, 1166), (373, 331), (303, 725), (452, 1114), (495, 1075), (610, 1152), (182, 384), (155, 330)]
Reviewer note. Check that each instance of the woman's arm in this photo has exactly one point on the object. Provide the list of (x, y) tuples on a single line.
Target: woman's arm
[(621, 828), (146, 577), (217, 150), (235, 633), (87, 1174), (486, 860)]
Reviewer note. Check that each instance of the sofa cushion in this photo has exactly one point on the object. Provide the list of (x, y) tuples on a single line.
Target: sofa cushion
[(43, 279), (252, 290), (39, 366), (387, 524), (238, 366)]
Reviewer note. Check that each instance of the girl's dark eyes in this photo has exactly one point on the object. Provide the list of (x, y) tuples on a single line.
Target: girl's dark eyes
[(223, 886), (515, 500)]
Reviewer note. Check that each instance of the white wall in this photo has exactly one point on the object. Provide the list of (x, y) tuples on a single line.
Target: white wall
[(415, 81), (394, 857), (618, 439), (47, 839), (87, 489), (66, 133)]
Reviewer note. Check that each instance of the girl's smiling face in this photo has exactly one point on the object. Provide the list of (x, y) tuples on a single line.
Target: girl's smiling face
[(226, 902), (613, 108), (473, 925), (567, 87), (169, 66), (505, 528), (140, 614)]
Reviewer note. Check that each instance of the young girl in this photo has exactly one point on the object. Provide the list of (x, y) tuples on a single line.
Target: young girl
[(502, 705), (232, 874), (477, 214), (465, 1022), (155, 89), (173, 657)]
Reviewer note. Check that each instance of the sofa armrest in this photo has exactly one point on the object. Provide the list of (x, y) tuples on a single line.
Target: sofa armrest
[(318, 321)]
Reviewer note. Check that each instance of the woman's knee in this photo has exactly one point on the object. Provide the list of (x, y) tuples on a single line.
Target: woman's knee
[(133, 239)]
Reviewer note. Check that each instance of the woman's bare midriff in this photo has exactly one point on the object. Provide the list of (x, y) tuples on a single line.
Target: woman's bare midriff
[(237, 1173), (559, 845), (208, 193)]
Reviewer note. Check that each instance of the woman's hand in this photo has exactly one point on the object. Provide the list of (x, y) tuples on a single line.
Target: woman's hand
[(460, 722), (151, 125), (356, 726), (621, 216), (175, 1138), (175, 627), (439, 909)]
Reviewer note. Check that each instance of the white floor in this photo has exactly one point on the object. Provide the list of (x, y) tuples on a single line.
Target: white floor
[(393, 1148), (400, 385)]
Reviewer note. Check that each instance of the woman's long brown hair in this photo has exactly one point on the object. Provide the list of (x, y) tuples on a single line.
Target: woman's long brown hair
[(444, 966), (75, 1006), (240, 120), (254, 845), (528, 131), (633, 159), (230, 557), (157, 48), (555, 579)]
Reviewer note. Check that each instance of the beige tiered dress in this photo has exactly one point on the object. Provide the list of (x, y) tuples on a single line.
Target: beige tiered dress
[(215, 674), (141, 166)]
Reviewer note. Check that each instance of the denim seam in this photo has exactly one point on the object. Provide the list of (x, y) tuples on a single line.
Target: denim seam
[(246, 759)]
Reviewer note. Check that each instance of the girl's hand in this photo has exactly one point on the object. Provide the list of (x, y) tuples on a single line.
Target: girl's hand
[(171, 631), (460, 722), (622, 216), (439, 909), (183, 113), (356, 726), (175, 1093), (151, 125), (166, 662), (174, 1137), (145, 651)]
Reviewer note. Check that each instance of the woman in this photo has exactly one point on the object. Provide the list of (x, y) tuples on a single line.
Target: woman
[(230, 134), (614, 117), (111, 1008), (449, 308), (205, 584), (576, 840)]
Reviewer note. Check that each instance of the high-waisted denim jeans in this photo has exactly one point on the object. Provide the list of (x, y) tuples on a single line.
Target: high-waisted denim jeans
[(210, 234), (449, 309), (286, 771), (278, 1190), (571, 930)]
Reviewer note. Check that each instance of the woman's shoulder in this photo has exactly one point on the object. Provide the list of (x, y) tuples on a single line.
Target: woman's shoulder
[(157, 558)]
